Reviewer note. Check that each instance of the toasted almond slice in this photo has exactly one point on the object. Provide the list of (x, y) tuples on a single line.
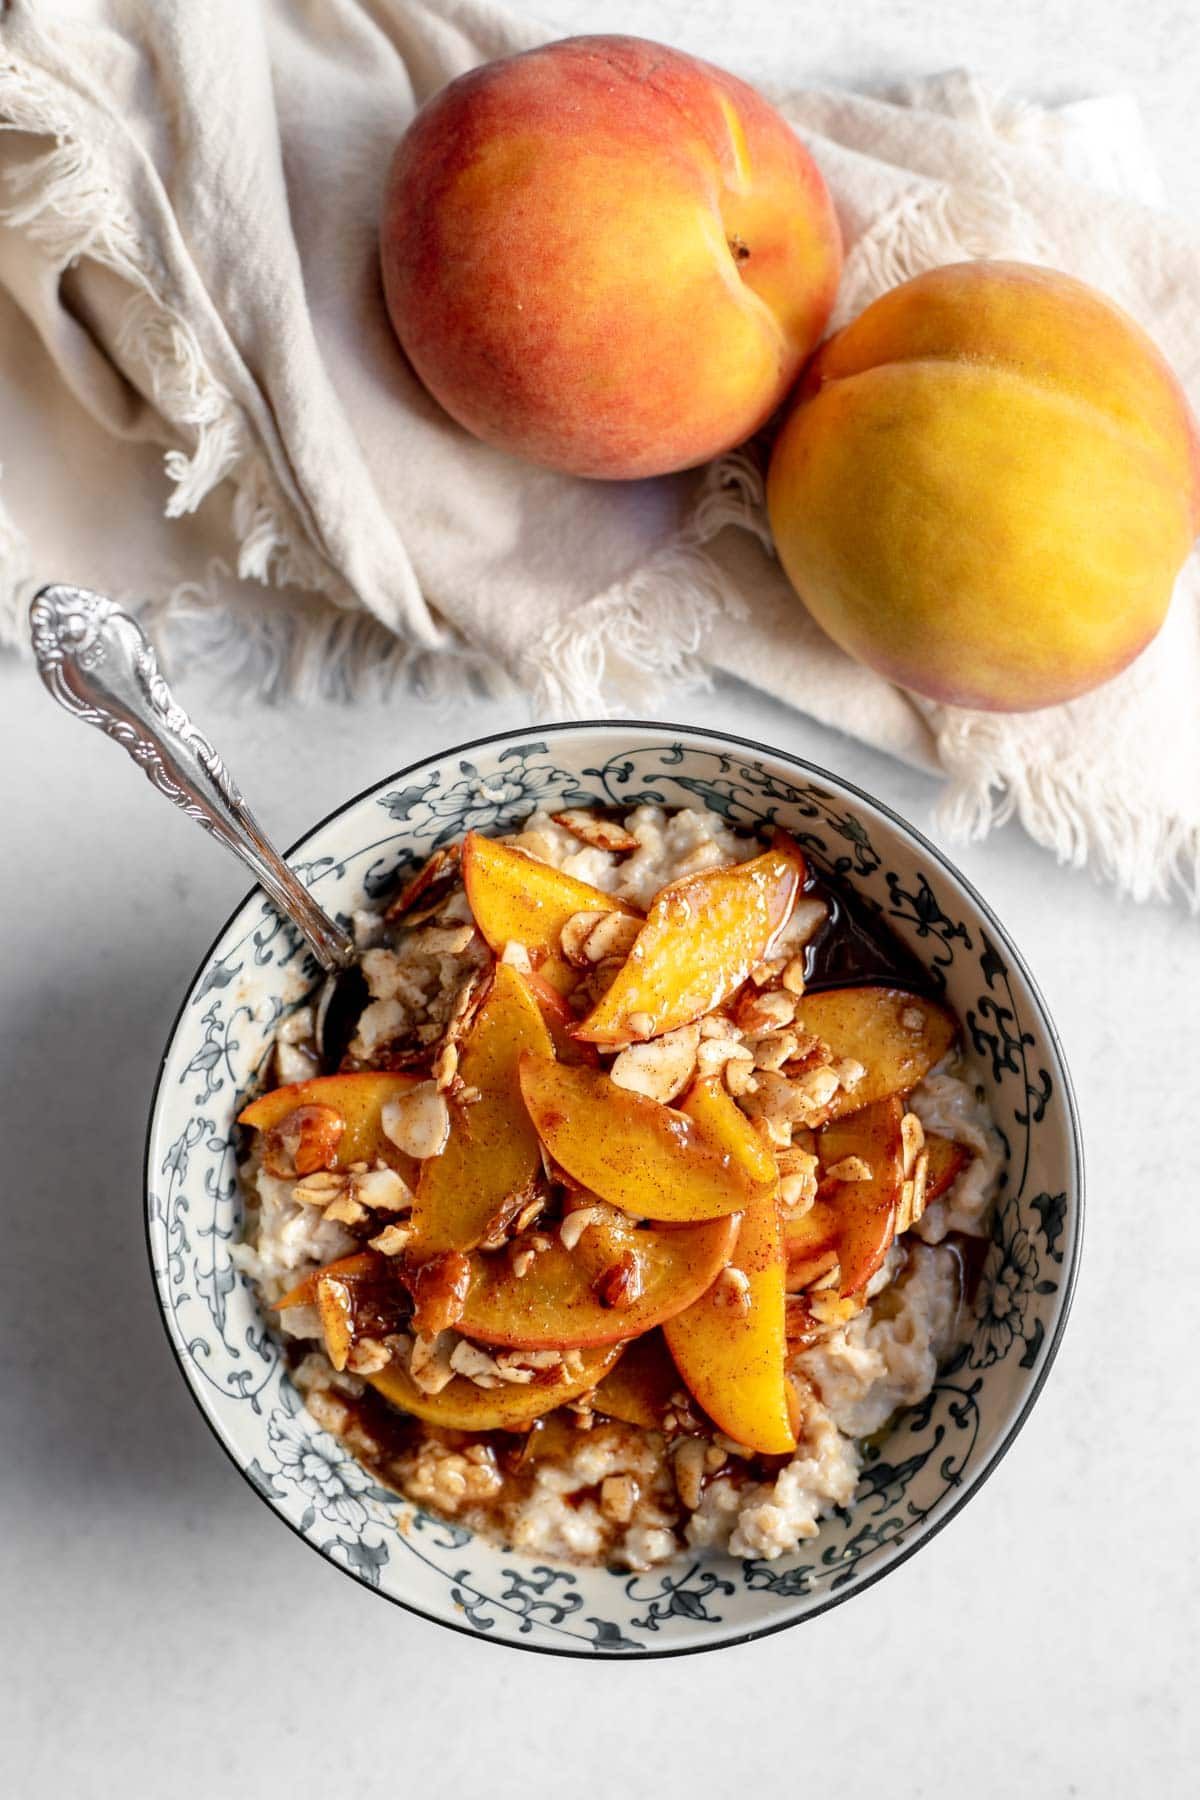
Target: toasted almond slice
[(345, 1210), (439, 867), (600, 833), (320, 1188), (382, 1190), (731, 1290), (715, 1053), (574, 938), (769, 1011), (912, 1139), (613, 936), (793, 976), (391, 1240), (661, 1068), (418, 1122), (577, 1222), (850, 1168), (335, 1309), (430, 1366)]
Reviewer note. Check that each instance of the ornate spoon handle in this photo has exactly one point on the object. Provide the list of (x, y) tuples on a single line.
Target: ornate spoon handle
[(98, 663)]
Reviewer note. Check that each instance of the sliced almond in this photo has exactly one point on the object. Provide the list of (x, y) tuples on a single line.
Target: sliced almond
[(622, 1285), (336, 1311), (769, 1011), (849, 1168), (716, 1053), (793, 976), (574, 938), (430, 1365), (382, 1190), (661, 1068), (731, 1291), (418, 1122), (613, 936), (304, 1140), (912, 1140), (392, 1240), (774, 1049), (345, 1210), (440, 866), (689, 1469), (619, 1498), (600, 833), (367, 1355), (576, 1223), (320, 1188)]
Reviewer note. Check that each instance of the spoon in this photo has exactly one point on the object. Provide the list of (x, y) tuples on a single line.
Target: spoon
[(99, 664)]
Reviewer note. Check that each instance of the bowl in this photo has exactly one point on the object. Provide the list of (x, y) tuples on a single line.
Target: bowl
[(935, 1455)]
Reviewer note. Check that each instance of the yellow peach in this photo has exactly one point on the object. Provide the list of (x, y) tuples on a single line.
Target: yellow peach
[(987, 487)]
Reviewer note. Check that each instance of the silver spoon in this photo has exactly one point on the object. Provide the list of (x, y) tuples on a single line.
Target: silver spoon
[(98, 663)]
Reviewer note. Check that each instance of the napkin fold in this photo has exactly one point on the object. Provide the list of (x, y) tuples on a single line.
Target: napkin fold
[(203, 406)]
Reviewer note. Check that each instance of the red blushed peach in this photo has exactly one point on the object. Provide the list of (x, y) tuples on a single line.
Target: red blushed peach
[(607, 256)]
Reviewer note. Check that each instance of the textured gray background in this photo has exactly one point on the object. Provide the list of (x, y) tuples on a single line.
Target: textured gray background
[(164, 1634)]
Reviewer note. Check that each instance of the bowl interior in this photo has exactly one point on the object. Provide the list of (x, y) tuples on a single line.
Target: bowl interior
[(935, 1453)]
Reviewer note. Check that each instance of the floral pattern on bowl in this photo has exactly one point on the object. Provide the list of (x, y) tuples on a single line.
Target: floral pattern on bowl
[(934, 1455)]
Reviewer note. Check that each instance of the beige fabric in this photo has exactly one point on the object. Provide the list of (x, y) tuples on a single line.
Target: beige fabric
[(199, 390)]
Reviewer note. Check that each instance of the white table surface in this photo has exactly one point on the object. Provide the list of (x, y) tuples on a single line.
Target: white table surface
[(161, 1629)]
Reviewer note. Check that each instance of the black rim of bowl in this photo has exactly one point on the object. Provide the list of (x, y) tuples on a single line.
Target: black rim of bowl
[(1012, 1431)]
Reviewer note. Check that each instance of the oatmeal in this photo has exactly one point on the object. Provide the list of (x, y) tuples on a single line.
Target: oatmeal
[(642, 1195)]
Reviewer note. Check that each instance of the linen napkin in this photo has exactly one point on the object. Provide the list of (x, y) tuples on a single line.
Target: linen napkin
[(200, 391)]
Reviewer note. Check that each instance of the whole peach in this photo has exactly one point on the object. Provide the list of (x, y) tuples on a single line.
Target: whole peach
[(987, 487), (607, 256)]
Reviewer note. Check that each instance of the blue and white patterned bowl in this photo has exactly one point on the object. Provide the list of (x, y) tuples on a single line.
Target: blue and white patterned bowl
[(937, 1453)]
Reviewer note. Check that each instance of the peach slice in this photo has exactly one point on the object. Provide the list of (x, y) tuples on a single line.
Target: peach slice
[(947, 1160), (492, 1153), (560, 1022), (856, 1220), (639, 1389), (558, 1303), (702, 937), (644, 1157), (464, 1406), (897, 1036), (363, 1267), (711, 1106), (359, 1100), (730, 1346), (516, 899)]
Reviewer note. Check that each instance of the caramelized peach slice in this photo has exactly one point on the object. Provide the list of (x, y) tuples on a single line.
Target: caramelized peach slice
[(559, 1303), (723, 1123), (464, 1406), (492, 1154), (947, 1160), (646, 1158), (560, 1022), (639, 1389), (702, 937), (852, 1219), (730, 1346), (364, 1266), (895, 1035), (357, 1099), (516, 899)]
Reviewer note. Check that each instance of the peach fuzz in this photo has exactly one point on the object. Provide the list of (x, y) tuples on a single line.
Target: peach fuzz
[(987, 486), (607, 256)]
